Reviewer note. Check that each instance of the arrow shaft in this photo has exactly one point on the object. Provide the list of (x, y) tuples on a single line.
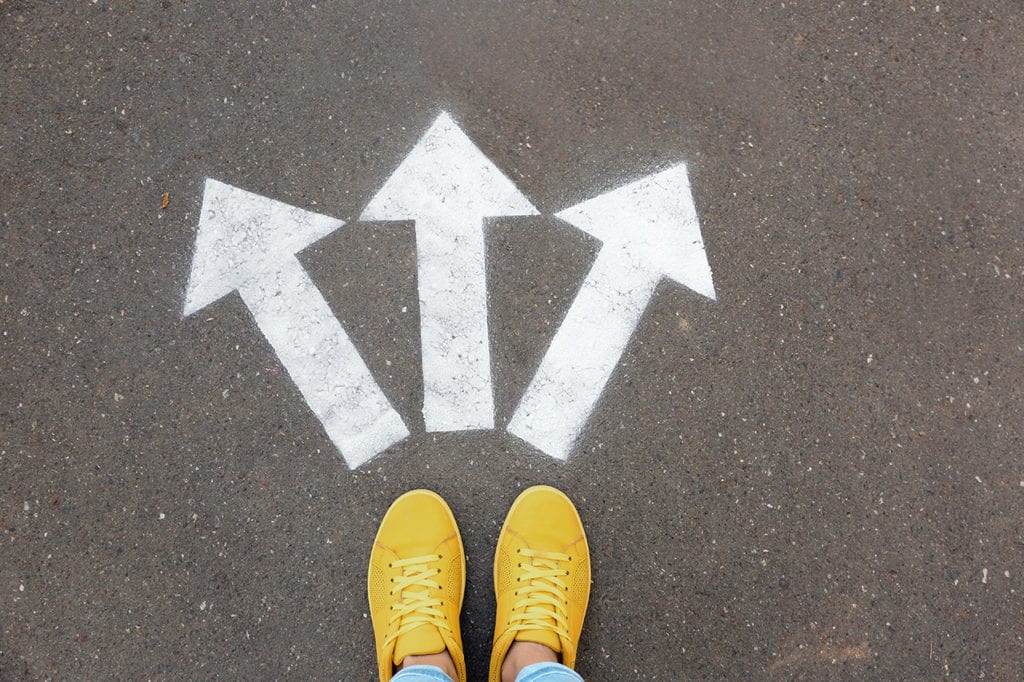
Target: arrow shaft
[(583, 354), (323, 362), (457, 387)]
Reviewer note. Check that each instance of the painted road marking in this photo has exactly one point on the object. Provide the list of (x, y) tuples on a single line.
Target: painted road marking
[(449, 187), (649, 230), (248, 242)]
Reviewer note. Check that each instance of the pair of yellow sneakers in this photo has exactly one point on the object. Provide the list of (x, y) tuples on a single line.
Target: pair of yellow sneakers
[(417, 578)]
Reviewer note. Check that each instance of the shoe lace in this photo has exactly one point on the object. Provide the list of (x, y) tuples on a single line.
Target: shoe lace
[(542, 602), (419, 605)]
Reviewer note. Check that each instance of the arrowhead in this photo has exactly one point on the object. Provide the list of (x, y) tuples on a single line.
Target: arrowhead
[(244, 236), (445, 174), (654, 222)]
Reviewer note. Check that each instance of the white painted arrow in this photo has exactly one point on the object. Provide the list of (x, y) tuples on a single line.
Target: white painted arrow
[(649, 230), (248, 242), (448, 187)]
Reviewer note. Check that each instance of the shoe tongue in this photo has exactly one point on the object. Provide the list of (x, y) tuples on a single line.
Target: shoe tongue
[(546, 637), (426, 639)]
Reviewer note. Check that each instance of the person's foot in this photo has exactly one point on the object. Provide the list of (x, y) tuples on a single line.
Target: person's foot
[(416, 581), (541, 581)]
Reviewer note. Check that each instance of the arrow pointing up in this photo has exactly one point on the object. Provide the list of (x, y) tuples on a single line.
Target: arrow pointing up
[(448, 187), (248, 242), (649, 230)]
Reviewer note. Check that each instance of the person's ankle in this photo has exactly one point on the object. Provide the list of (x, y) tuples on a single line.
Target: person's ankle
[(522, 654), (442, 660)]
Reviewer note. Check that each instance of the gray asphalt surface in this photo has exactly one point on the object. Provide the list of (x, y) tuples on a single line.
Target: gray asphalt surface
[(818, 476)]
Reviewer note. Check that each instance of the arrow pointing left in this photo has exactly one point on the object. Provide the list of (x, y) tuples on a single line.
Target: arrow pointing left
[(248, 242)]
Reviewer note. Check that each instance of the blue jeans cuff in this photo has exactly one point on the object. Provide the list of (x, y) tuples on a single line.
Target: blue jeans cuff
[(421, 673), (548, 672)]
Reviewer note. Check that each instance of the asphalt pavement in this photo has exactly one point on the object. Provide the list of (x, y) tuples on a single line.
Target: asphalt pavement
[(819, 474)]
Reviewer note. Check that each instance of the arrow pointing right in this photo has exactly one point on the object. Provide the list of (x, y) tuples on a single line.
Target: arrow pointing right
[(649, 230)]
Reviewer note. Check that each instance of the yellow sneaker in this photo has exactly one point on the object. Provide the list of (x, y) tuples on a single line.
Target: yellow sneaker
[(416, 581), (541, 576)]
